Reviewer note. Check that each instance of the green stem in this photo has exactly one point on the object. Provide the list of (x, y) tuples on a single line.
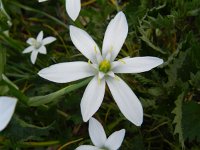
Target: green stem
[(39, 144)]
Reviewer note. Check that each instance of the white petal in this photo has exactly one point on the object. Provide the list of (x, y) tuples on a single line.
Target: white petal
[(42, 50), (97, 133), (73, 8), (136, 64), (111, 74), (40, 36), (126, 100), (30, 41), (67, 72), (7, 107), (84, 43), (34, 56), (42, 1), (28, 49), (115, 35), (87, 147), (92, 98), (115, 140), (48, 40)]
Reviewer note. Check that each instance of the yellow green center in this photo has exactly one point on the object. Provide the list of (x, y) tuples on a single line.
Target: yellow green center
[(104, 66), (36, 44)]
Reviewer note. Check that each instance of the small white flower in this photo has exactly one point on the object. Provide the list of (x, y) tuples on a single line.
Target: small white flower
[(73, 8), (7, 107), (38, 45), (103, 68), (99, 139)]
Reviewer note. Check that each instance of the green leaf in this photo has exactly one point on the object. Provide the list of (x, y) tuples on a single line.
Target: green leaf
[(14, 90), (40, 100), (178, 118), (195, 79), (5, 22), (2, 60), (191, 121), (22, 131), (146, 39)]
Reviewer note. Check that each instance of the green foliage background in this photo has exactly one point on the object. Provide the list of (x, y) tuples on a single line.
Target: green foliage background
[(48, 114)]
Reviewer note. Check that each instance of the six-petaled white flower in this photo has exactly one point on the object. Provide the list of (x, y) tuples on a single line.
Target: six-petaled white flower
[(38, 45), (99, 139), (103, 68), (7, 107)]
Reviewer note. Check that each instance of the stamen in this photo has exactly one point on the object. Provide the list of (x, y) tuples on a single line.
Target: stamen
[(95, 49), (122, 61), (99, 80), (111, 49), (89, 62), (117, 78)]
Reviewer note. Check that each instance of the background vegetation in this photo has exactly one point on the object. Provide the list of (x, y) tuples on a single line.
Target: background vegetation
[(48, 114)]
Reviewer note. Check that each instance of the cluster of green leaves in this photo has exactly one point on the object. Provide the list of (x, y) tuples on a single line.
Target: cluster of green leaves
[(48, 114)]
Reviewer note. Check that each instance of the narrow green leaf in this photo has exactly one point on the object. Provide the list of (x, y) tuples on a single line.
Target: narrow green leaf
[(40, 100), (178, 118), (2, 60)]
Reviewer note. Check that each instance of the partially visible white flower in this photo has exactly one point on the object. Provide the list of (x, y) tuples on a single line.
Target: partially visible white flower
[(7, 107), (73, 8), (99, 139), (38, 45), (103, 67), (42, 1)]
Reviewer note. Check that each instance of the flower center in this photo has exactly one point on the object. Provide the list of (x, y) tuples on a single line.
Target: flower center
[(104, 66), (36, 44)]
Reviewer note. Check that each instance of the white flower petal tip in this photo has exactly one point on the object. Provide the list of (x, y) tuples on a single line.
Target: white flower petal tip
[(42, 1), (98, 137), (92, 98), (48, 40), (7, 107), (115, 35), (87, 147), (40, 36), (73, 8), (115, 140), (136, 64), (97, 133), (126, 100), (84, 43), (67, 72)]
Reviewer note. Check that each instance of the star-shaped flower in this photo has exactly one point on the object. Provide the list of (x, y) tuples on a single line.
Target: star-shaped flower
[(38, 45), (7, 107), (99, 139), (103, 68)]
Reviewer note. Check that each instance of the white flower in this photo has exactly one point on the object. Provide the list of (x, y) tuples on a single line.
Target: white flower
[(99, 139), (7, 107), (38, 45), (73, 8), (103, 68)]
